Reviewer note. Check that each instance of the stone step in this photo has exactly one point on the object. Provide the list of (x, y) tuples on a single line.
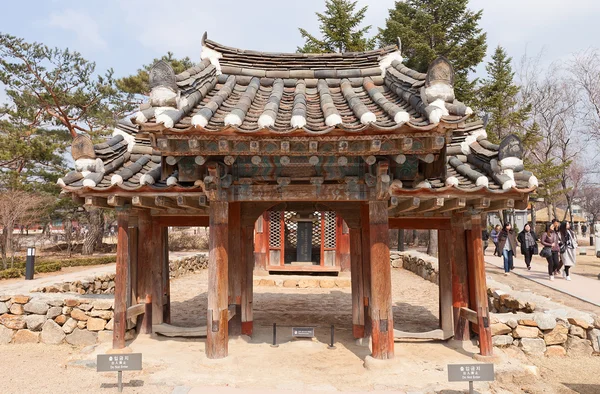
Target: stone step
[(303, 282)]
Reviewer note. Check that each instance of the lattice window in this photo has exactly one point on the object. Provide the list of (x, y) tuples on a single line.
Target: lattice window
[(275, 229), (291, 227), (330, 230), (316, 231)]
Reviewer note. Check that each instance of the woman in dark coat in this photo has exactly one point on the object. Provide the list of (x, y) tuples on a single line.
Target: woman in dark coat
[(550, 240), (528, 241), (507, 245)]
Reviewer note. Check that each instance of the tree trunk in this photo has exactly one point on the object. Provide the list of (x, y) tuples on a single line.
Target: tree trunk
[(101, 225), (68, 238), (3, 248), (9, 243), (91, 239), (432, 245), (400, 240), (533, 218)]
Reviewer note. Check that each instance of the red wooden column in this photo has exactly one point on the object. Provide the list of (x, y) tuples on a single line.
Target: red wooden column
[(144, 267), (261, 243), (120, 323), (217, 313), (382, 319), (356, 275), (247, 279), (445, 258), (166, 282), (235, 269), (157, 267), (342, 245), (479, 288), (460, 280), (366, 266)]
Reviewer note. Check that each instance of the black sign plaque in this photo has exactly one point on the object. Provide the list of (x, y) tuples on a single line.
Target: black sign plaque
[(470, 372), (304, 241), (303, 332), (119, 362)]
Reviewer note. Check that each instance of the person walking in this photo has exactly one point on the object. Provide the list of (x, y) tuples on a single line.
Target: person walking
[(550, 249), (485, 236), (507, 243), (528, 241), (568, 243), (494, 235)]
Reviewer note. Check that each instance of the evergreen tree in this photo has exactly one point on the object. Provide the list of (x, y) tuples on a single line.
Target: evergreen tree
[(139, 83), (498, 98), (430, 28), (339, 26)]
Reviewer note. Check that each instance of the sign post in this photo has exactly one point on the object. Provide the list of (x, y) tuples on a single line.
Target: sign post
[(470, 373), (119, 363)]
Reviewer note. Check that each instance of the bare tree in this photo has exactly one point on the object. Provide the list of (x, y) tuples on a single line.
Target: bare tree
[(554, 101), (590, 201), (18, 208), (585, 71)]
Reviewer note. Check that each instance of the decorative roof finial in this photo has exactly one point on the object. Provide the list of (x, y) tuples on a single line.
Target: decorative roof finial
[(162, 74), (204, 37), (440, 71)]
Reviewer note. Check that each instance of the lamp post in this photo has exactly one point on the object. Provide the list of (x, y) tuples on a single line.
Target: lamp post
[(30, 263)]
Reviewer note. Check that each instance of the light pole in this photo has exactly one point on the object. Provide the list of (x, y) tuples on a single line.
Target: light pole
[(30, 263)]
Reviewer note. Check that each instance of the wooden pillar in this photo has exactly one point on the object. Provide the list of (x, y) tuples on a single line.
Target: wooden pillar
[(356, 275), (366, 266), (478, 287), (157, 267), (133, 252), (235, 269), (217, 313), (144, 268), (382, 319), (342, 245), (166, 277), (120, 307), (460, 280), (247, 279), (445, 257), (261, 243)]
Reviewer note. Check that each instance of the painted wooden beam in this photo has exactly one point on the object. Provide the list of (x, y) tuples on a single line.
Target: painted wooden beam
[(122, 266)]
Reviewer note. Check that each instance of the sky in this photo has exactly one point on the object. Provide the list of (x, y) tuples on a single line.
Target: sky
[(126, 34)]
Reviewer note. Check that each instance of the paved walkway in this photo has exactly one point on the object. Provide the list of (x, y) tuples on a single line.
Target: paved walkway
[(586, 289)]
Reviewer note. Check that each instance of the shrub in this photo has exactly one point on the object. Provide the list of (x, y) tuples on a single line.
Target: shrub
[(179, 240), (10, 273), (52, 267)]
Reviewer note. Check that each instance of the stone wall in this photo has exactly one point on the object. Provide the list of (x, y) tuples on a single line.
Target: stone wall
[(103, 284), (78, 322), (540, 334), (517, 321), (416, 262), (187, 265)]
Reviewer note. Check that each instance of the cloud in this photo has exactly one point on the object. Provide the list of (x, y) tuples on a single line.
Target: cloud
[(85, 28)]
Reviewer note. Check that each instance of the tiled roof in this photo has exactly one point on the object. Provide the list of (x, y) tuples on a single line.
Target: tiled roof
[(247, 91), (472, 166)]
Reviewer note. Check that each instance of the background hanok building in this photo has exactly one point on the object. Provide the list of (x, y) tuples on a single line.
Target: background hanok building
[(356, 137)]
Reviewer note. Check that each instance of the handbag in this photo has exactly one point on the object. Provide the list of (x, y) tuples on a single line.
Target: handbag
[(562, 247), (535, 249), (546, 252)]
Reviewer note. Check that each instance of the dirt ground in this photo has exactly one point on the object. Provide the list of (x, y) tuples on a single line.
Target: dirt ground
[(296, 366)]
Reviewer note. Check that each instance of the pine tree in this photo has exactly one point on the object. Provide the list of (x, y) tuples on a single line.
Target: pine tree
[(138, 83), (498, 98), (339, 26), (430, 28)]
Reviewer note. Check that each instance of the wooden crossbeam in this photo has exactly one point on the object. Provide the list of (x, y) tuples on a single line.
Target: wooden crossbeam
[(501, 204), (480, 203), (408, 205), (453, 204), (189, 202), (430, 205), (469, 315), (116, 201), (91, 201), (522, 204), (165, 202), (144, 202), (135, 310)]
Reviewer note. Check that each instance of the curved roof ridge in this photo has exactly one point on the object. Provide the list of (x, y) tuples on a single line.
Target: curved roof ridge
[(277, 60)]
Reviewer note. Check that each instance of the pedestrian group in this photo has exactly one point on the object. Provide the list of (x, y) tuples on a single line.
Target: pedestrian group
[(559, 245)]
